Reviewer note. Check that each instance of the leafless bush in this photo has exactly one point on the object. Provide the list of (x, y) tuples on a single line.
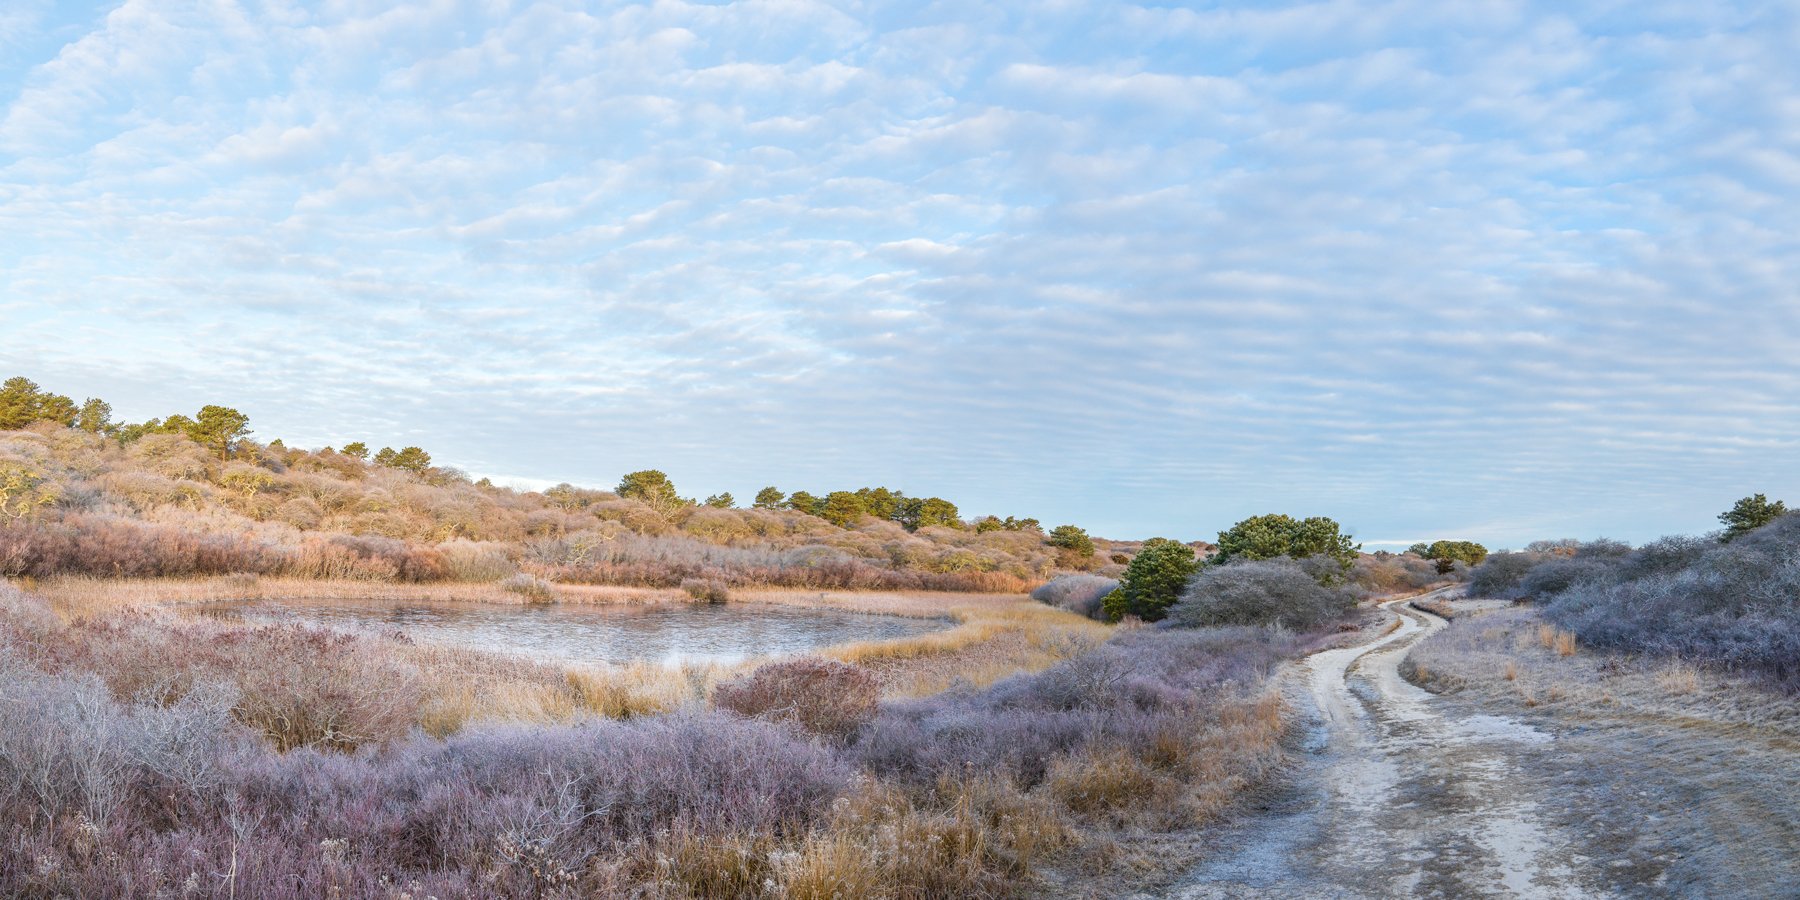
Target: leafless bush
[(1394, 572), (1499, 575), (1734, 605), (476, 561), (1079, 594), (1263, 592)]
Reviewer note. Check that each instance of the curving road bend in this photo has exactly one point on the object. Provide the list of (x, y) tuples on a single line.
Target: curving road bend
[(1396, 798)]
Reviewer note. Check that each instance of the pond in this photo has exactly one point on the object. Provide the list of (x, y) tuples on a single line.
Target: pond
[(665, 632)]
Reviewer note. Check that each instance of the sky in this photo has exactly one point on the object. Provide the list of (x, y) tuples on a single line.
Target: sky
[(1488, 270)]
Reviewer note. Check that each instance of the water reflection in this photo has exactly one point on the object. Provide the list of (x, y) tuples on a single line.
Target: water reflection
[(669, 632)]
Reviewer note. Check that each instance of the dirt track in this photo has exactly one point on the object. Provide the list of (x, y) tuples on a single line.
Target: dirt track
[(1398, 797)]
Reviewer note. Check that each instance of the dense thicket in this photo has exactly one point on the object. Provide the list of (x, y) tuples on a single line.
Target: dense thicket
[(1262, 592), (1734, 604)]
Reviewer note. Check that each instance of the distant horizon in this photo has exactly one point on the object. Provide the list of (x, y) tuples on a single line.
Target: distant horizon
[(1495, 272)]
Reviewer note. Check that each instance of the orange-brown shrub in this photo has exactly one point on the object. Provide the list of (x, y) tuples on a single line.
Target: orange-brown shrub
[(825, 697)]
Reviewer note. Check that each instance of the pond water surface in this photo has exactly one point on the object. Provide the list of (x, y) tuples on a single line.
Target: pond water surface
[(666, 632)]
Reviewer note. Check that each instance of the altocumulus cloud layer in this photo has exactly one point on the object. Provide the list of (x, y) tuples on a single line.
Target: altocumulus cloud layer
[(1489, 269)]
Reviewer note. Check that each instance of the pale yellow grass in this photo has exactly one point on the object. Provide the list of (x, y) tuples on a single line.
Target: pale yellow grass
[(1553, 638), (77, 597), (1679, 678), (996, 636)]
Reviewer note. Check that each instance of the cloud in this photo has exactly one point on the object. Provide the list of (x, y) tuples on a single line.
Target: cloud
[(1496, 270)]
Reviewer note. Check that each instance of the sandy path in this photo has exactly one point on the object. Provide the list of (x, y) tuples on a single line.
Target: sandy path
[(1397, 797)]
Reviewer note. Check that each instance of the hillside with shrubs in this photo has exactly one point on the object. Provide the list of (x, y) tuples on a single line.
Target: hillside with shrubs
[(196, 495)]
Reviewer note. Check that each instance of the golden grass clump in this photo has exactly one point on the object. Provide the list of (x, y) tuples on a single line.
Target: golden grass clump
[(977, 836), (643, 688), (991, 641), (1679, 678), (1552, 638)]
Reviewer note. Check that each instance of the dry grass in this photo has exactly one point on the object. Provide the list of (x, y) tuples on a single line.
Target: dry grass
[(989, 643), (1679, 678), (976, 837), (78, 597), (1553, 638)]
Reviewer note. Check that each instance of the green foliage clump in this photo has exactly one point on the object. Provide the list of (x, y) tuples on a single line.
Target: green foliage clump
[(1073, 539), (770, 497), (411, 459), (881, 502), (95, 417), (1153, 581), (1446, 554), (802, 501), (218, 428), (356, 449), (721, 501), (930, 512), (1270, 536), (1749, 514), (649, 486), (22, 403), (843, 509)]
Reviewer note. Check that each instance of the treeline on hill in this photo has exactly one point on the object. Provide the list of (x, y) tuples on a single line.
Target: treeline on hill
[(1730, 599), (194, 495), (1265, 570)]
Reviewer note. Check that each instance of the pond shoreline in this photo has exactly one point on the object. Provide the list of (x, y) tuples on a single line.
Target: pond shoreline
[(588, 634)]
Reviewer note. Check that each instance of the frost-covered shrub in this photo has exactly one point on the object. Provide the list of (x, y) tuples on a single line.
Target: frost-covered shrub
[(1079, 594), (1262, 592), (1553, 576), (299, 686), (825, 697), (66, 746), (1499, 575), (1144, 691), (1735, 605)]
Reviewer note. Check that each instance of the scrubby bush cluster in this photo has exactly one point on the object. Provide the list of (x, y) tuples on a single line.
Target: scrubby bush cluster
[(1079, 594), (1263, 592), (1734, 604), (1382, 572), (1130, 731)]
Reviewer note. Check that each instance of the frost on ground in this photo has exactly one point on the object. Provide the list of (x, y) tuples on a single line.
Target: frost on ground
[(1676, 781), (1529, 769)]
